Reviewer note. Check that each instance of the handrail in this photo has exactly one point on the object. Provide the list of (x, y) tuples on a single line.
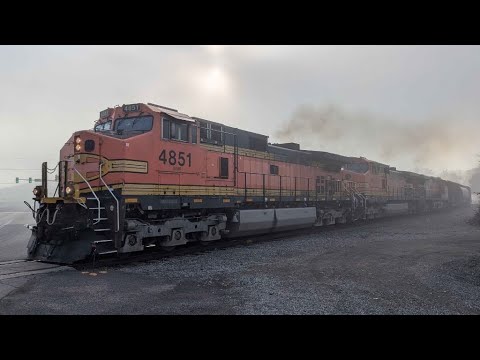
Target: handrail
[(351, 193), (354, 193), (111, 192), (305, 187), (94, 194)]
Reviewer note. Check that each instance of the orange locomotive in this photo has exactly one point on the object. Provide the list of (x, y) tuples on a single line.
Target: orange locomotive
[(147, 175)]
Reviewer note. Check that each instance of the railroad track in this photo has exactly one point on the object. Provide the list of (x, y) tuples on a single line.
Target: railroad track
[(18, 268)]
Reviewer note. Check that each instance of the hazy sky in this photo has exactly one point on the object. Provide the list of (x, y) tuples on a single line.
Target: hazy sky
[(353, 100)]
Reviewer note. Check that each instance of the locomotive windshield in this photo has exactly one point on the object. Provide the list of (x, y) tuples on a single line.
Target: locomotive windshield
[(104, 127), (139, 123)]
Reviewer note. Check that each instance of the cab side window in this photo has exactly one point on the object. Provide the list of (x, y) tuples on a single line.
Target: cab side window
[(166, 129), (193, 130), (174, 130), (178, 131)]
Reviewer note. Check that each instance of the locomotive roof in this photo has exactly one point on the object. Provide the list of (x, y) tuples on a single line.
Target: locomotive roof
[(171, 112), (230, 127), (328, 157), (177, 115), (364, 159)]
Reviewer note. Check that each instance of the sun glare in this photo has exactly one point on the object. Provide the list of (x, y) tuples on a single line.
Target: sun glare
[(214, 81), (215, 49)]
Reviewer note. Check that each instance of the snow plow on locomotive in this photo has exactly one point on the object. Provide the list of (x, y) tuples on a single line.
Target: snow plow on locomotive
[(149, 176)]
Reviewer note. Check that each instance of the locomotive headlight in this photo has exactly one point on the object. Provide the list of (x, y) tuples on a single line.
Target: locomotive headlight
[(78, 143), (70, 189), (38, 192)]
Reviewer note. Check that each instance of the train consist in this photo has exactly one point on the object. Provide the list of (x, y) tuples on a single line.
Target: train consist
[(150, 176)]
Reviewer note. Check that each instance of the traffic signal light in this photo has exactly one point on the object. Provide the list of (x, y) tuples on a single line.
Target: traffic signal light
[(30, 180), (17, 180)]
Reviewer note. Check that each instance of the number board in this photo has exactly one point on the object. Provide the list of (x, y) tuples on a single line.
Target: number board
[(131, 107)]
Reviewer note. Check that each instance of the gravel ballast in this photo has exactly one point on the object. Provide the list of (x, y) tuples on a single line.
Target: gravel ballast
[(428, 264)]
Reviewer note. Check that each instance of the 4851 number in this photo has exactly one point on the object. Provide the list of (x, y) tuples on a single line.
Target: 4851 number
[(173, 160)]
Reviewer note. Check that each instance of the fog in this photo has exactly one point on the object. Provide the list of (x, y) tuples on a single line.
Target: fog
[(414, 107)]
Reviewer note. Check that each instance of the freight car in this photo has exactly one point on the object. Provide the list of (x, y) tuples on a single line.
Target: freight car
[(150, 176)]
